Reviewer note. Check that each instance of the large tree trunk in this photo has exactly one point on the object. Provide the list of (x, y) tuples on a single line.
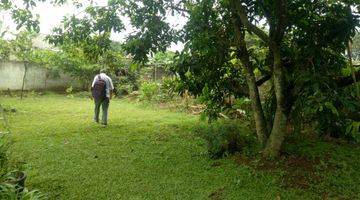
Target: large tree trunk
[(23, 80), (243, 55), (277, 135), (260, 123), (278, 131)]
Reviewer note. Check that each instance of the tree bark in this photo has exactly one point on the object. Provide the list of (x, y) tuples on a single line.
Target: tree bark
[(243, 55), (260, 122), (277, 134), (278, 131), (23, 80)]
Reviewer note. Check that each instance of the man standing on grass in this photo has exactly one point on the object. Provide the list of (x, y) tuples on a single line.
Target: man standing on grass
[(102, 89)]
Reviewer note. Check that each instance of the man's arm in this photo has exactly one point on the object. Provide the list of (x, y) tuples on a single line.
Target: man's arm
[(93, 83), (111, 89)]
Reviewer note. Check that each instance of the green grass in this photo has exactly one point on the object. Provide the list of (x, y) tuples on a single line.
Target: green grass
[(144, 153)]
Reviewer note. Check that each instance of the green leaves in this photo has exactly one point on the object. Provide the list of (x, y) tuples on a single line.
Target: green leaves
[(23, 46), (24, 17), (330, 106), (91, 33), (353, 130), (5, 49), (22, 13)]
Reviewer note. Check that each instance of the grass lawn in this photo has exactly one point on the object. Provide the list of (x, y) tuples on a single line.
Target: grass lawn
[(145, 153)]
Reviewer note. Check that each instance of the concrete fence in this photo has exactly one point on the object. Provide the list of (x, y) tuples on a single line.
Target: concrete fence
[(12, 72)]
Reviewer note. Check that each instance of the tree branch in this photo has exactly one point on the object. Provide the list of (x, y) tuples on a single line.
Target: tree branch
[(262, 80), (241, 11), (179, 9)]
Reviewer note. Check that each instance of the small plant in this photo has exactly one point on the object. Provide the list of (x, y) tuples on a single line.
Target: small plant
[(353, 130), (10, 192), (225, 137), (69, 92)]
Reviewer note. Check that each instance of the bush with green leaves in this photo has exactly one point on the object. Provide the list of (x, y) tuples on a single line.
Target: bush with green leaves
[(127, 80), (149, 91), (331, 110), (352, 130), (5, 49), (169, 88), (225, 137)]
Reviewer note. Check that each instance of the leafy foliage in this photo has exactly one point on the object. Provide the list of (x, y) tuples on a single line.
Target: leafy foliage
[(5, 49), (23, 46), (149, 91), (21, 12), (227, 137)]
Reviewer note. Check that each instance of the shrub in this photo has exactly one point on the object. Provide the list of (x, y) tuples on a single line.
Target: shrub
[(169, 87), (240, 108), (353, 130), (123, 89), (225, 137), (149, 91), (126, 81)]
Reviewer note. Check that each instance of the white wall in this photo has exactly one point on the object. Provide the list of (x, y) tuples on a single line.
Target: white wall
[(12, 72)]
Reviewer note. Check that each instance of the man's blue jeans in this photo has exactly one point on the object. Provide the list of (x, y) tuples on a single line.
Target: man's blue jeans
[(104, 104)]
